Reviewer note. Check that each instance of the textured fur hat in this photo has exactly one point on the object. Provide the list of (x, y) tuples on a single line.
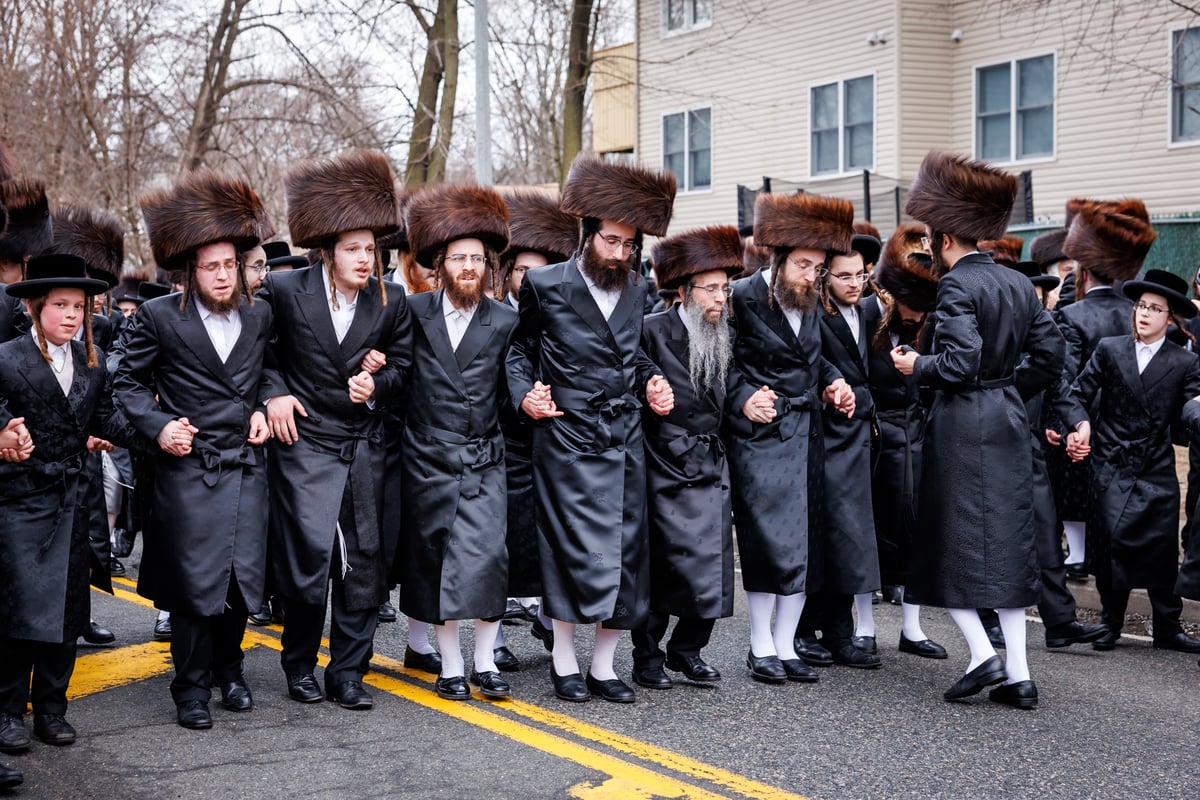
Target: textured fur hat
[(95, 236), (350, 192), (1006, 251), (864, 228), (30, 229), (952, 194), (681, 256), (1110, 239), (203, 207), (633, 195), (535, 222), (1073, 206), (398, 239), (905, 270), (804, 220), (439, 214), (1047, 249)]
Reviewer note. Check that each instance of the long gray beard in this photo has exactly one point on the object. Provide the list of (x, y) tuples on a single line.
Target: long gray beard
[(709, 348)]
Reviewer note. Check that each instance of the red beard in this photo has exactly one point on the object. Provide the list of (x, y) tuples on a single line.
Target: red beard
[(465, 295), (608, 274)]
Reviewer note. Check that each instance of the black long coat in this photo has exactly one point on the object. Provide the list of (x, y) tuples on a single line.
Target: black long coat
[(101, 576), (777, 468), (10, 315), (975, 541), (687, 481), (453, 557), (1133, 529), (208, 511), (44, 550), (851, 551), (589, 473), (341, 442), (524, 572)]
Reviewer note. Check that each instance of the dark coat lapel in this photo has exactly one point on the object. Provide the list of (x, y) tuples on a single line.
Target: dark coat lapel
[(79, 379), (314, 305), (1126, 355), (40, 376), (585, 306), (244, 346), (433, 322), (631, 301), (195, 336), (478, 332), (366, 311), (841, 329), (773, 317), (1158, 368)]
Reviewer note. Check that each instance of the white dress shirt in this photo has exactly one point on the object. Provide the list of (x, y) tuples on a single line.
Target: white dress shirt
[(851, 315), (343, 315), (457, 320), (514, 302), (606, 299), (1145, 352), (794, 316), (61, 363), (223, 329)]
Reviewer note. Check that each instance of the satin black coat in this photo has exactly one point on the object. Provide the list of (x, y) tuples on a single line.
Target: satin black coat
[(1133, 528), (975, 541), (208, 511), (10, 313), (453, 557), (777, 468), (589, 472), (687, 482), (101, 576), (341, 442), (44, 549)]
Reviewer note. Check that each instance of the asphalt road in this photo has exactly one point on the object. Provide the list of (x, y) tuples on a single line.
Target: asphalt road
[(1122, 724)]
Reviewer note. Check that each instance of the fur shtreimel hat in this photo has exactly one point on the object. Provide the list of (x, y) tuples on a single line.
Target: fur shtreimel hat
[(351, 192), (955, 195), (1047, 249), (1006, 251), (95, 236), (624, 193), (440, 214), (397, 239), (1110, 239), (537, 223), (864, 228), (686, 254), (30, 229), (804, 220), (203, 207), (905, 270)]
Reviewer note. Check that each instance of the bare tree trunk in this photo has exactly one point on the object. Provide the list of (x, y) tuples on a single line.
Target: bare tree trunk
[(579, 64), (212, 85), (427, 150), (445, 122)]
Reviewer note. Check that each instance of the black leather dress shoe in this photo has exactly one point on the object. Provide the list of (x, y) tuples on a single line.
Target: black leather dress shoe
[(893, 595), (768, 669), (53, 729), (812, 652), (652, 677), (505, 660), (1107, 640), (426, 662), (235, 696), (797, 671), (514, 612), (847, 655), (13, 736), (995, 635), (543, 634), (162, 630), (866, 644), (10, 778), (1077, 573), (1022, 694), (96, 634), (926, 648), (1073, 632), (304, 688), (452, 688), (387, 612), (351, 695), (194, 715), (613, 690), (987, 673), (122, 543), (694, 668), (1180, 642), (115, 567), (572, 688), (261, 617), (491, 684)]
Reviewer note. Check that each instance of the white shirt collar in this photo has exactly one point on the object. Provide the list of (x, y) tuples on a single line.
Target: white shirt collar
[(207, 313), (341, 298), (1153, 347), (448, 308), (683, 317), (63, 349)]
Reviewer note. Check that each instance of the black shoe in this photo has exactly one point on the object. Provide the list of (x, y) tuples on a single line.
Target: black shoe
[(514, 612), (115, 567), (1180, 642), (812, 652), (262, 617), (13, 736), (491, 684), (235, 696), (694, 668), (613, 690), (572, 688), (987, 673), (652, 677), (847, 655), (426, 662), (543, 634), (452, 688), (926, 648), (876, 598), (1077, 573), (1107, 640), (95, 634), (122, 543), (866, 644), (995, 635), (351, 695), (797, 671), (893, 595), (193, 715), (387, 612), (162, 630), (304, 688), (10, 778), (768, 669), (1022, 694), (1073, 632), (53, 729), (505, 660)]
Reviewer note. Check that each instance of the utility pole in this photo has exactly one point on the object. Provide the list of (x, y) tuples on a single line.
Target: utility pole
[(483, 106)]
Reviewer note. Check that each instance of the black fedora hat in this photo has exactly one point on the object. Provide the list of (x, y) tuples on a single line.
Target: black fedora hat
[(279, 254), (1033, 271), (1161, 282), (55, 271), (868, 246)]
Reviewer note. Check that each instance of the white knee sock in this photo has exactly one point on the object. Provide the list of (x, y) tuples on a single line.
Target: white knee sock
[(603, 652), (1012, 621), (911, 617), (1076, 541), (866, 614), (967, 620), (485, 645), (761, 606), (788, 608), (418, 636), (452, 657), (563, 655)]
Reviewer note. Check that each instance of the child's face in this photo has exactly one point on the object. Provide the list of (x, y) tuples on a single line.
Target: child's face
[(62, 314), (1151, 316)]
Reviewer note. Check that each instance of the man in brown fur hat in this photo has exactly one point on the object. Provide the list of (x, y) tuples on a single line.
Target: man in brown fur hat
[(577, 357)]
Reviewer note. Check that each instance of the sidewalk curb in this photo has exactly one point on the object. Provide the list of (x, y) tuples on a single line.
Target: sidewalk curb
[(1086, 596)]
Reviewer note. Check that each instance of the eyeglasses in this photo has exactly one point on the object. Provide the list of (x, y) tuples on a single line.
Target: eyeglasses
[(261, 269), (805, 268), (1153, 309), (850, 280), (461, 258), (925, 242), (714, 290), (615, 243), (212, 267)]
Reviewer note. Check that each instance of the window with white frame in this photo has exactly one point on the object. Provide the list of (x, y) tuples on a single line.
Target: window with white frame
[(1014, 110), (686, 15), (687, 147), (842, 125), (1185, 85)]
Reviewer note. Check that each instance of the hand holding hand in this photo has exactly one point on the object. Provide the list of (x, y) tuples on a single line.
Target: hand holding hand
[(760, 406), (538, 403), (660, 396), (176, 437), (904, 360)]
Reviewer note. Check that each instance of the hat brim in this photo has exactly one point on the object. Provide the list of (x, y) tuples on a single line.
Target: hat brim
[(1178, 302), (295, 262), (37, 287), (1047, 282), (682, 280), (868, 246)]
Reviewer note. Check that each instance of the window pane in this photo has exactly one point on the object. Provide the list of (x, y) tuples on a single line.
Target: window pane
[(1035, 132), (702, 11), (1187, 115), (995, 89), (1186, 57), (700, 148), (673, 142), (1035, 82), (994, 138), (825, 107), (860, 146), (1185, 91), (860, 100), (824, 152), (676, 15)]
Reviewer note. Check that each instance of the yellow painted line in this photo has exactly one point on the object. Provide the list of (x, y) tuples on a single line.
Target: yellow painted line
[(108, 669)]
